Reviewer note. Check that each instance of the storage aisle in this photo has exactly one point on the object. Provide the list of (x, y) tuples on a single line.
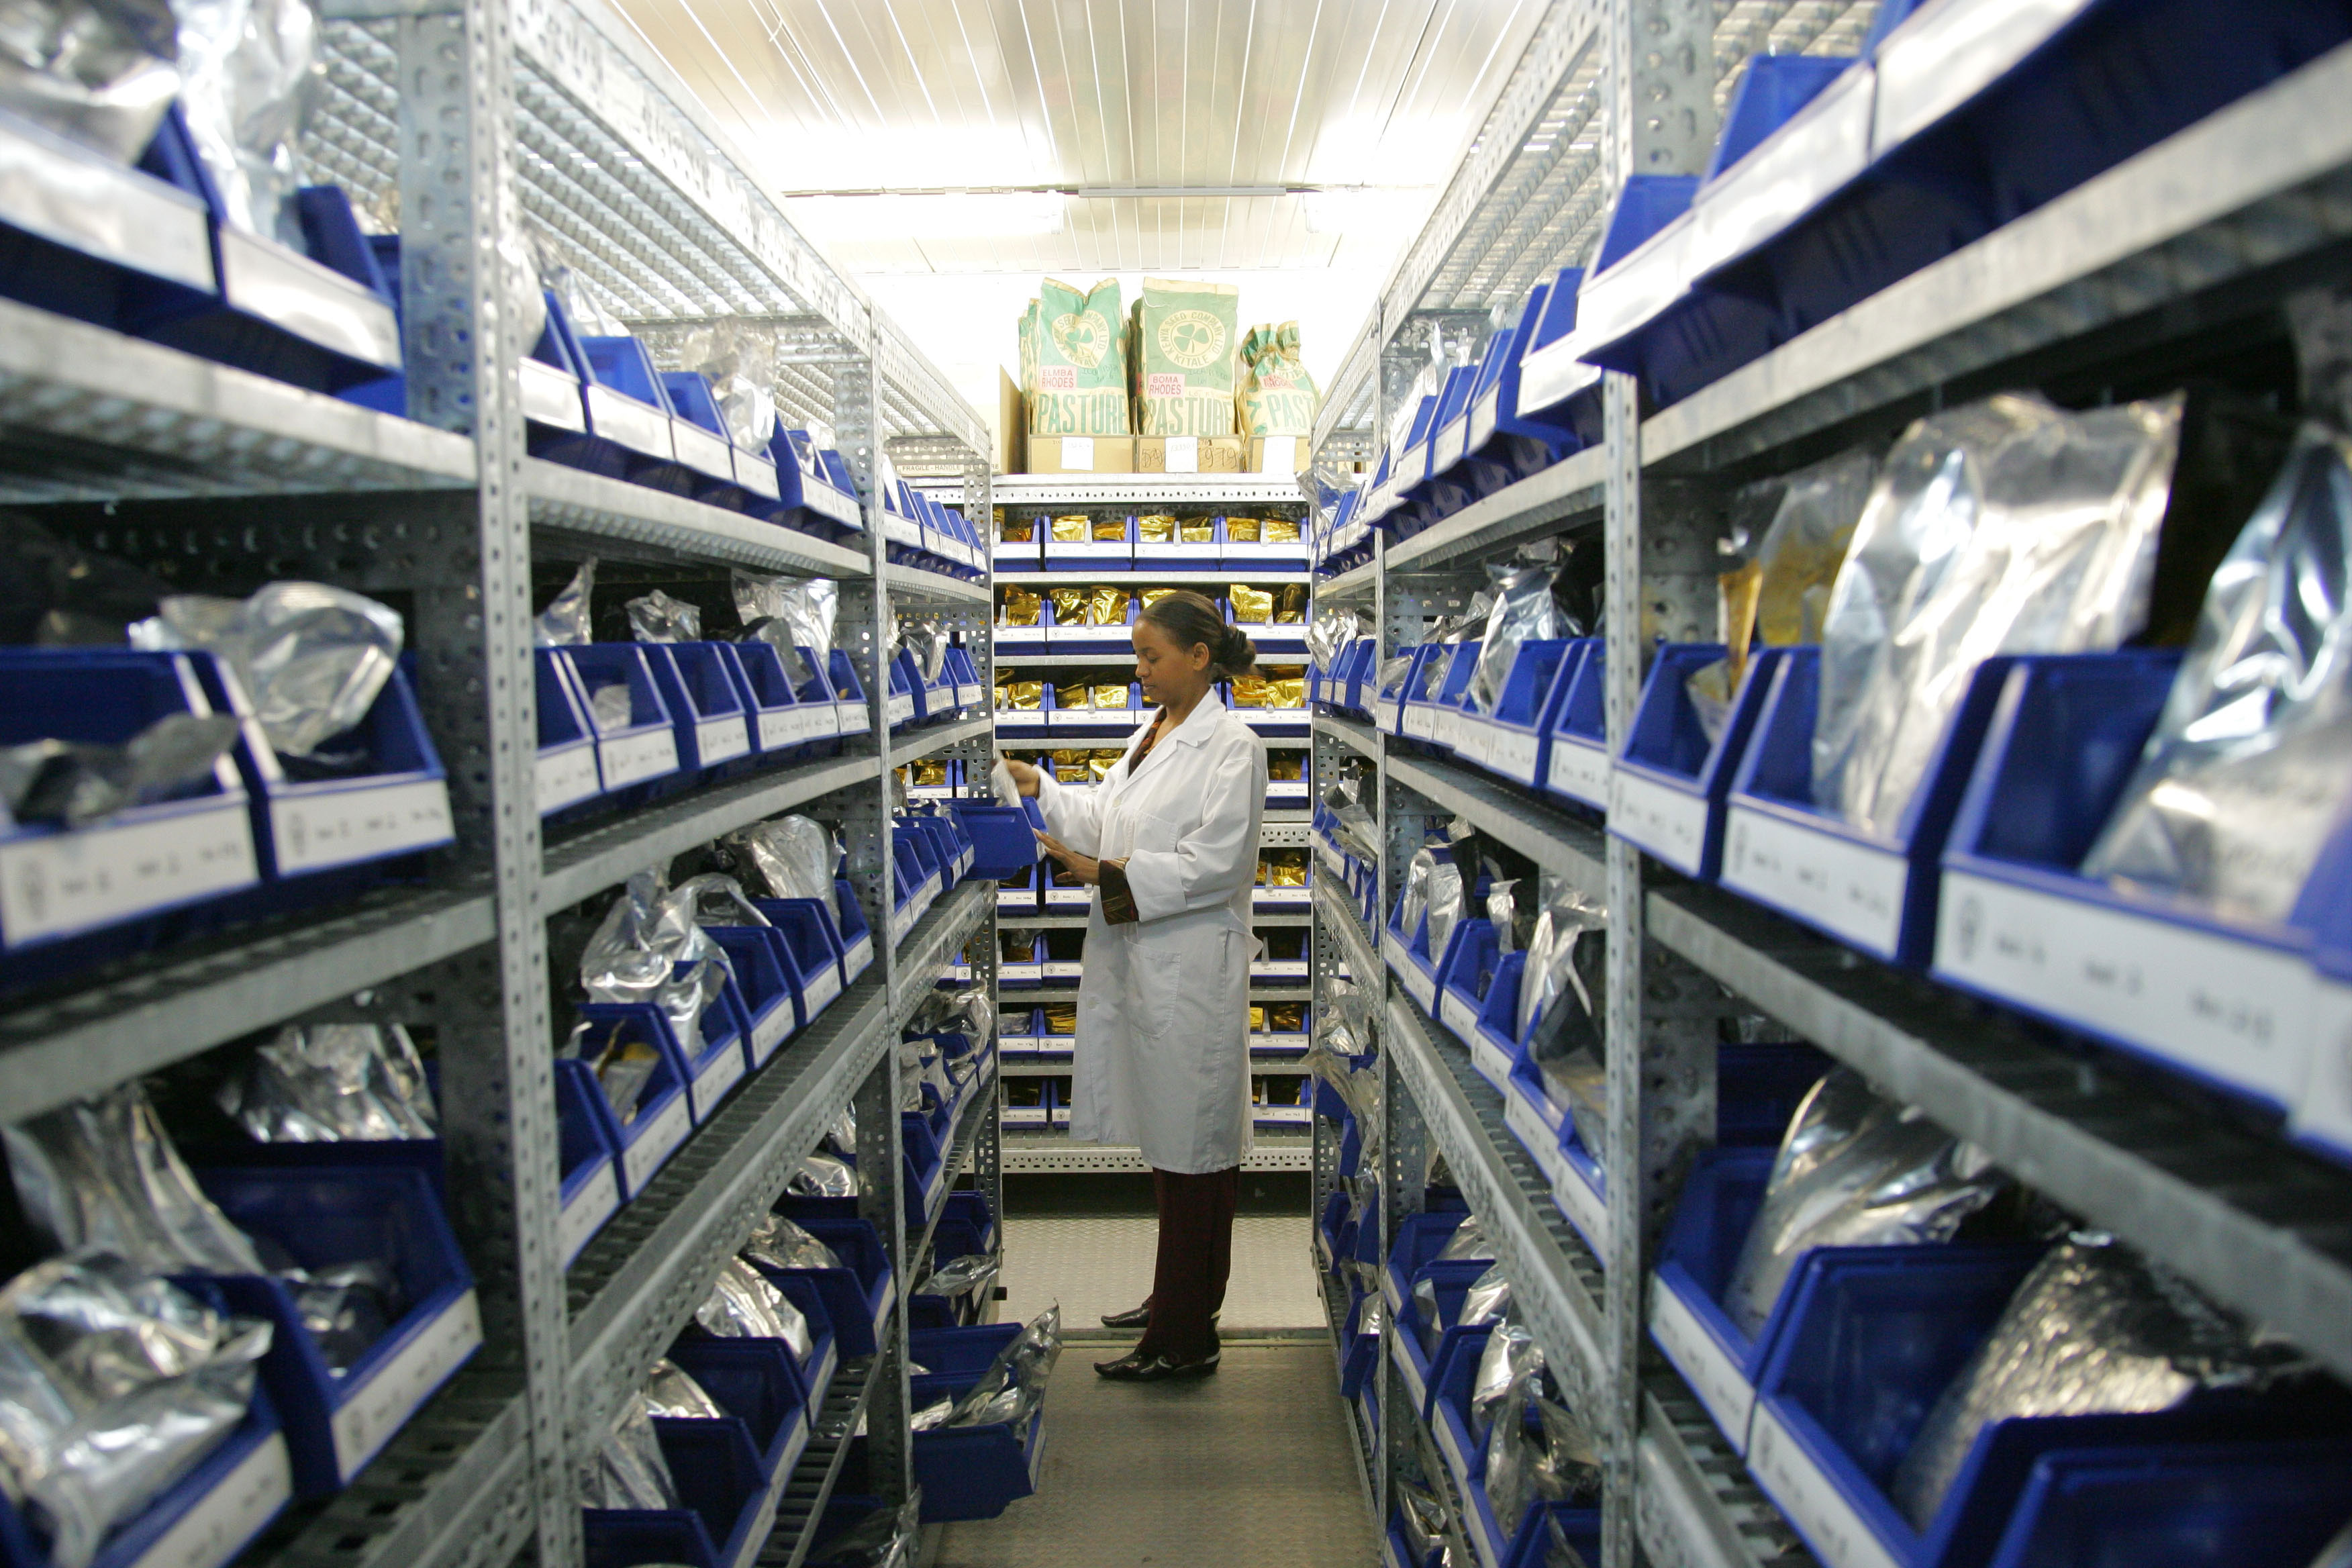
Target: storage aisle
[(1248, 1466)]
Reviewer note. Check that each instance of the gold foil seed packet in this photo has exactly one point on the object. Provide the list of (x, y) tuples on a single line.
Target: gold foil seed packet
[(1290, 603), (1110, 697), (1287, 1017), (1156, 529), (1241, 530), (1107, 607), (1288, 767), (1251, 691), (1069, 529), (1021, 607), (1069, 605), (930, 772), (1257, 1020), (1071, 696), (1154, 596), (1197, 531), (1061, 1019), (1289, 693), (1252, 606), (1282, 531), (1100, 764), (1110, 530), (1025, 696)]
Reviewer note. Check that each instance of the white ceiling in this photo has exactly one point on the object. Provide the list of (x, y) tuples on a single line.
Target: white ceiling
[(1198, 136)]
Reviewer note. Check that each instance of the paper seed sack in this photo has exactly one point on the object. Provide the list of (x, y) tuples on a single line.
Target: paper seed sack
[(1183, 336)]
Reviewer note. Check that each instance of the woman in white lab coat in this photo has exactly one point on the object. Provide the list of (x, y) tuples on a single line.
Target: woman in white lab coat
[(1169, 839)]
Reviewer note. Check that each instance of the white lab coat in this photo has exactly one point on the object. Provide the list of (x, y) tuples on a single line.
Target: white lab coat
[(1162, 1049)]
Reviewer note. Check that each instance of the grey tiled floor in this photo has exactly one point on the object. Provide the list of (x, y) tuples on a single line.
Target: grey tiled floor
[(1094, 1264), (1245, 1469)]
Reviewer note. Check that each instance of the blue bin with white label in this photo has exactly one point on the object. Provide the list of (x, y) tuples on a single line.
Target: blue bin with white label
[(1576, 768), (769, 995), (202, 1520), (391, 801), (336, 1422), (71, 896), (643, 1139), (1516, 740), (566, 774), (1668, 789), (1876, 891), (781, 725), (706, 706), (590, 1189), (2229, 1001), (636, 740)]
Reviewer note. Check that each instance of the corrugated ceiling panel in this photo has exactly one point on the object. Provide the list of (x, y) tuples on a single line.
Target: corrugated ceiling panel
[(1148, 94)]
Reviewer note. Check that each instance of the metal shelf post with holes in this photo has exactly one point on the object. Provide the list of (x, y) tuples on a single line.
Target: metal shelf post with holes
[(483, 131), (2121, 285), (1074, 555)]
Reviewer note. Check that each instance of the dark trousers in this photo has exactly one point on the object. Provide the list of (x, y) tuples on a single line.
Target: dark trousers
[(1196, 1255)]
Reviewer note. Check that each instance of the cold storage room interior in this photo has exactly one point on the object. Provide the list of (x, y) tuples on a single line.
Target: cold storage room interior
[(1477, 784)]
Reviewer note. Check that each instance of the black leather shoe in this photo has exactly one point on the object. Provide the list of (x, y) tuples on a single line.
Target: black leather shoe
[(1137, 1367), (1134, 1318)]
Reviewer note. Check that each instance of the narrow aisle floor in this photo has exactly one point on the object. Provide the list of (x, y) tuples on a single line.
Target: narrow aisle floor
[(1245, 1469), (1098, 1263), (1249, 1468)]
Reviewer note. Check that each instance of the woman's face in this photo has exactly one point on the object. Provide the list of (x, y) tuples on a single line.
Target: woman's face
[(1168, 674)]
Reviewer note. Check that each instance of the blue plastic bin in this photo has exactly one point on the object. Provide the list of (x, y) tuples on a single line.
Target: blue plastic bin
[(717, 1470), (970, 1472), (591, 1188), (781, 726), (705, 705), (58, 885), (857, 1295), (1668, 789), (644, 1142), (395, 802), (643, 748), (567, 774), (1576, 768), (1877, 892), (758, 1383), (769, 994), (202, 1520), (322, 1217), (2228, 1003), (1516, 741)]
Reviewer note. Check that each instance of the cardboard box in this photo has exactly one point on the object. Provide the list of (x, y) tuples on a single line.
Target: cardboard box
[(1082, 454), (1188, 454), (1012, 426), (1278, 454)]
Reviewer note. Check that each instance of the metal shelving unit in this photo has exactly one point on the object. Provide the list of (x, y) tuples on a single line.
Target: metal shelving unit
[(2187, 249), (467, 129), (1031, 1152)]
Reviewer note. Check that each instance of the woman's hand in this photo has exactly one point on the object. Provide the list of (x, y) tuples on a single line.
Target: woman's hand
[(1083, 868), (1024, 777)]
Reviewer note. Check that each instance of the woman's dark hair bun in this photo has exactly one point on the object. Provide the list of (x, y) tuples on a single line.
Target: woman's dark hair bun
[(1190, 618), (1236, 655)]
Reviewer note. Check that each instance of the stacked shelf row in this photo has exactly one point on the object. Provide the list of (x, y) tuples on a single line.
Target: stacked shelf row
[(552, 122), (2124, 286)]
